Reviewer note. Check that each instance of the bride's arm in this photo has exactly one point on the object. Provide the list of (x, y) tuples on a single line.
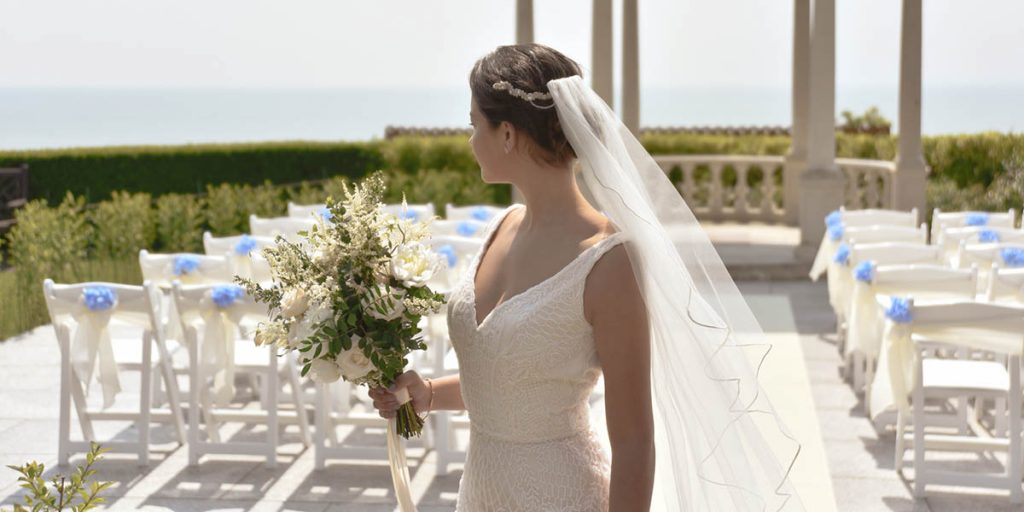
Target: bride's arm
[(614, 307), (447, 394)]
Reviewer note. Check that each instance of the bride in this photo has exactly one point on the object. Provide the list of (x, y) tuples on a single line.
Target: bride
[(619, 282)]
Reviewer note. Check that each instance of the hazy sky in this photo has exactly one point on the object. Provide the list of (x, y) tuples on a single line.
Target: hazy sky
[(253, 43)]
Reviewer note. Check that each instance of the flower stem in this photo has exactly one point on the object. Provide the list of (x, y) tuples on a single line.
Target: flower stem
[(409, 424)]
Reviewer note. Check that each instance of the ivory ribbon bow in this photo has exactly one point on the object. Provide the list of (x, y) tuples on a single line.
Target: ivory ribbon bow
[(218, 353), (92, 339), (396, 459), (826, 251)]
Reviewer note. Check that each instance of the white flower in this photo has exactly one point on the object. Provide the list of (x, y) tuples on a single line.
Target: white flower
[(354, 364), (294, 302), (413, 263), (323, 371), (298, 331), (387, 305)]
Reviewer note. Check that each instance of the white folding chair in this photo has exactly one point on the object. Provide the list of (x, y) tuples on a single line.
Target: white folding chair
[(216, 352), (305, 211), (189, 268), (853, 219), (467, 228), (930, 281), (878, 233), (416, 212), (840, 275), (117, 326), (978, 325), (941, 220), (950, 238), (478, 212), (878, 216), (288, 227), (237, 249)]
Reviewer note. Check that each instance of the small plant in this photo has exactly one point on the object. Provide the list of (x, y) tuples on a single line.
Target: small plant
[(179, 223), (870, 122), (62, 492)]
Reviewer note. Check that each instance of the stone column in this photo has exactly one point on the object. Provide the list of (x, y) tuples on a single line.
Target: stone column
[(630, 67), (602, 52), (524, 34), (524, 21), (908, 184), (822, 183), (796, 158)]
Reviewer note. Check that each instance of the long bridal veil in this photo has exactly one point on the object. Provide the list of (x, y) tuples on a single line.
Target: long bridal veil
[(719, 443)]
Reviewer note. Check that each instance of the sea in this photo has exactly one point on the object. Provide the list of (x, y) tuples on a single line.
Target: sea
[(59, 117)]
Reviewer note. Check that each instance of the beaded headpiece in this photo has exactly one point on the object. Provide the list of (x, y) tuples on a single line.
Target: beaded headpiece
[(519, 93)]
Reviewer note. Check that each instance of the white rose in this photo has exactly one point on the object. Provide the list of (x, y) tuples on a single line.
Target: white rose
[(298, 331), (390, 302), (413, 263), (354, 364), (323, 371), (294, 302)]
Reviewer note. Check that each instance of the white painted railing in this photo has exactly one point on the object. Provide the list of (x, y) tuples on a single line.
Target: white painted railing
[(868, 182), (728, 187), (740, 188)]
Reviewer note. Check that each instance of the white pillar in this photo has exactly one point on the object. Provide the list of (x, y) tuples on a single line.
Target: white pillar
[(524, 34), (821, 185), (909, 182), (630, 67), (602, 52), (524, 21), (796, 159)]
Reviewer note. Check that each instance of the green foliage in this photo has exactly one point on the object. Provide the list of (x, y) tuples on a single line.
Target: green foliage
[(870, 122), (440, 187), (75, 492), (226, 210), (122, 226), (96, 172), (179, 223)]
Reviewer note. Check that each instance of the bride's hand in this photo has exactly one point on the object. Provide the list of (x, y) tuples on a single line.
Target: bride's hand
[(386, 403)]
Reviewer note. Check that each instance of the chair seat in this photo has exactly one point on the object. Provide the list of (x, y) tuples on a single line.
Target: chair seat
[(248, 354), (955, 375)]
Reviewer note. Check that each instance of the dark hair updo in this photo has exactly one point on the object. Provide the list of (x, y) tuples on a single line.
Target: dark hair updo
[(528, 67)]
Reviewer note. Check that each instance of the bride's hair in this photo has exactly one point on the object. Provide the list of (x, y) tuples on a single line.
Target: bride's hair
[(527, 67)]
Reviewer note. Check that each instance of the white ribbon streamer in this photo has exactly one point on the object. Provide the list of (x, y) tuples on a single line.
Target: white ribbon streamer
[(396, 459), (218, 352), (826, 250), (92, 339)]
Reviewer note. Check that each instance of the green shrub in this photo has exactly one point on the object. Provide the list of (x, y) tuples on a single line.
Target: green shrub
[(226, 210), (179, 223), (442, 186), (122, 225), (73, 492)]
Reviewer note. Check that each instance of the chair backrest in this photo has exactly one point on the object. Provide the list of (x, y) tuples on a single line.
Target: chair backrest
[(968, 314), (885, 233), (1005, 284), (892, 253), (288, 227), (304, 211), (926, 281), (950, 237), (458, 252), (138, 305), (875, 216), (985, 255), (189, 300), (416, 212), (467, 227), (162, 269), (478, 212), (260, 269), (941, 220), (219, 245)]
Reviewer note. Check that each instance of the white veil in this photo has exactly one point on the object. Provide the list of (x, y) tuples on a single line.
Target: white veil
[(719, 443)]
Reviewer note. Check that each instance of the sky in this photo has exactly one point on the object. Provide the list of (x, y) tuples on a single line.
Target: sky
[(417, 43)]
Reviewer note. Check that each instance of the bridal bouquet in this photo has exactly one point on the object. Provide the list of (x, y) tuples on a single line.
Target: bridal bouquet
[(348, 296)]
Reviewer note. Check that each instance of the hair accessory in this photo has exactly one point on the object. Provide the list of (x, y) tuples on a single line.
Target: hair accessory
[(519, 93)]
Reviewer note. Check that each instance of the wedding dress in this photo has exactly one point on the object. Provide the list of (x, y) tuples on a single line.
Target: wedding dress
[(527, 372)]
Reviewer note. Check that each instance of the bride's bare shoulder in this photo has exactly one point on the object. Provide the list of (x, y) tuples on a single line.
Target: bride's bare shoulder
[(611, 285)]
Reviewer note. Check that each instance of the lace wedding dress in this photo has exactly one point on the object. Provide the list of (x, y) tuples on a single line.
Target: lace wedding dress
[(527, 371)]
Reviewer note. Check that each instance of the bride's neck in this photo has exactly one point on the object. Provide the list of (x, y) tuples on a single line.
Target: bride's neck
[(552, 200)]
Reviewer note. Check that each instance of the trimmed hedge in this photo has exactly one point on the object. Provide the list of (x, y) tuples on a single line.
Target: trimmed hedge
[(96, 172)]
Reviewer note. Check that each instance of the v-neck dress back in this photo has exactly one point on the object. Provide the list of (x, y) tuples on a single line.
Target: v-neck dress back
[(527, 372)]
